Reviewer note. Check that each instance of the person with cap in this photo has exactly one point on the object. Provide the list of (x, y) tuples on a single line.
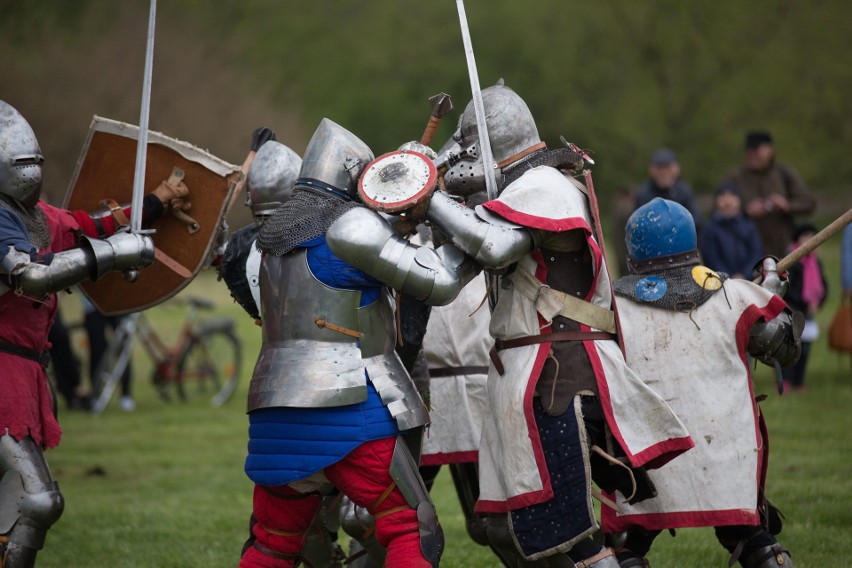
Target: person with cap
[(730, 242), (772, 193), (665, 180)]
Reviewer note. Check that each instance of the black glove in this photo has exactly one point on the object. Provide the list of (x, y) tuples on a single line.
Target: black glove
[(260, 137)]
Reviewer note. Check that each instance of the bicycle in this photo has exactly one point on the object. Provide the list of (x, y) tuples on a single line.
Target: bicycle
[(205, 359)]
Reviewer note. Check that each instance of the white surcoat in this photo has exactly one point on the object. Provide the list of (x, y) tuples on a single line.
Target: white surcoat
[(512, 468), (697, 361)]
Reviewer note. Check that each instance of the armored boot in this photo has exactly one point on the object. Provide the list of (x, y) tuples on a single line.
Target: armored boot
[(604, 559), (774, 556)]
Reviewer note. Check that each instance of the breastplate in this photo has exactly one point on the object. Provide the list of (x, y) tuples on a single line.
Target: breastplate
[(303, 363)]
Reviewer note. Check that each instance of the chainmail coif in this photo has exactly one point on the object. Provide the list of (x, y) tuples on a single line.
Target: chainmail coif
[(305, 216), (683, 293)]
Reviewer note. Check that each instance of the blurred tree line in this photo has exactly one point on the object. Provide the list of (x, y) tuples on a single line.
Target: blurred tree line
[(617, 77)]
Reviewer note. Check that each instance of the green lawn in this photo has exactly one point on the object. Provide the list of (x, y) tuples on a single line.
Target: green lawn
[(164, 487)]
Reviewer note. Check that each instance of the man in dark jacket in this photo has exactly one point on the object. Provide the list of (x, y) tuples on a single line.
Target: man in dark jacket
[(730, 242), (665, 181), (772, 192)]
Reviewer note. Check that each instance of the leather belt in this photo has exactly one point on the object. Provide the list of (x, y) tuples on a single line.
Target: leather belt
[(501, 344), (442, 372), (40, 357)]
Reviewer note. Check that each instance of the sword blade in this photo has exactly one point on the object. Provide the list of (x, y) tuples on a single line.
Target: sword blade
[(478, 106), (142, 144)]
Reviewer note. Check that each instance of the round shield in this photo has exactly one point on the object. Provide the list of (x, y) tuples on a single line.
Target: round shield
[(706, 278), (397, 181), (651, 288)]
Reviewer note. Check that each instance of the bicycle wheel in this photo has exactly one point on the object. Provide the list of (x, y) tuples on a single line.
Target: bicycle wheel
[(113, 363), (210, 365)]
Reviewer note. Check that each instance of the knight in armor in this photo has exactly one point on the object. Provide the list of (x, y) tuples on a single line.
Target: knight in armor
[(330, 404), (690, 331), (268, 185), (43, 250), (562, 402)]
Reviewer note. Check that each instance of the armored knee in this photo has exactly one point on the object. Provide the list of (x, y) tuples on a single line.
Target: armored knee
[(27, 516), (404, 471)]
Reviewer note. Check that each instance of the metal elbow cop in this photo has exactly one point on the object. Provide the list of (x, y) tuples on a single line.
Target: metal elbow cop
[(776, 340), (364, 239)]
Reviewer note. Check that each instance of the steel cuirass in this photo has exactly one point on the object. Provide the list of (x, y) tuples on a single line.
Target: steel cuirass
[(318, 343)]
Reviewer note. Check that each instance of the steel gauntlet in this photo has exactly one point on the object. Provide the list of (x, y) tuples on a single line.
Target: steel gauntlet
[(493, 246)]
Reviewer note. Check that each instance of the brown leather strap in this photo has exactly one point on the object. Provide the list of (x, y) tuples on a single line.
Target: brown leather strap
[(442, 372), (338, 328), (502, 344), (117, 212)]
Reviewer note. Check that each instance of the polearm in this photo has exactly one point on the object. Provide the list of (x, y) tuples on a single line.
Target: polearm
[(832, 229), (478, 107), (142, 146)]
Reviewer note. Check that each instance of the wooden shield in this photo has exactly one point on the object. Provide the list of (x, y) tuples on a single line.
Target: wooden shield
[(105, 170)]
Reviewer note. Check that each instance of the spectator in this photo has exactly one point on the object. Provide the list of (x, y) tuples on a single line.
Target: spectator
[(665, 181), (66, 366), (808, 291), (772, 192), (730, 242)]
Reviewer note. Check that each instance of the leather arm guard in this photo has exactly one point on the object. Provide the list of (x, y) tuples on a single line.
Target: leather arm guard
[(91, 260), (492, 246), (362, 238), (777, 340)]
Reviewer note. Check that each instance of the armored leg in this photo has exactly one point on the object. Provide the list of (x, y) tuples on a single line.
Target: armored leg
[(406, 522), (754, 547), (30, 501), (466, 482), (281, 518), (774, 556), (320, 549), (501, 542), (365, 551)]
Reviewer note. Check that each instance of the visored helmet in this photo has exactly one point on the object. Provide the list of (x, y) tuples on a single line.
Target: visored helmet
[(660, 234), (333, 160), (511, 131), (20, 157), (271, 177)]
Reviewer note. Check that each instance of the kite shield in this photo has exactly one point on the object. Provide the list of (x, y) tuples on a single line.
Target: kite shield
[(105, 170)]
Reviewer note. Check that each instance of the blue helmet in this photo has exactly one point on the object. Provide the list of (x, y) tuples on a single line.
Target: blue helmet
[(660, 234)]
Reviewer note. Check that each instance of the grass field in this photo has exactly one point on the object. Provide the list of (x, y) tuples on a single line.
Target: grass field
[(163, 486)]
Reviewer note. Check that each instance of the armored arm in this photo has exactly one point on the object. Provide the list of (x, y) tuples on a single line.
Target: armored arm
[(363, 239), (777, 339), (491, 245), (91, 260)]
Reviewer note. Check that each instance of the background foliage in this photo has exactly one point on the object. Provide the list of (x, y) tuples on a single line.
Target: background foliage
[(618, 77)]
